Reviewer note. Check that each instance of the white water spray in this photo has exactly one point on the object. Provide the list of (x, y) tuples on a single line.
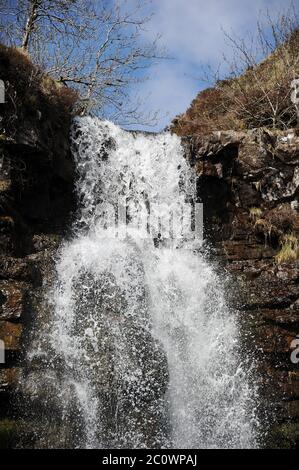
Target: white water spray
[(149, 353)]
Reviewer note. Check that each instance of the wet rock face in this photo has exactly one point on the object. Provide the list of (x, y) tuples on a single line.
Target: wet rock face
[(12, 300), (36, 200), (124, 367), (248, 182)]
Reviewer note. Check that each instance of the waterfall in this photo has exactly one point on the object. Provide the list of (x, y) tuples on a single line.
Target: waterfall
[(142, 350)]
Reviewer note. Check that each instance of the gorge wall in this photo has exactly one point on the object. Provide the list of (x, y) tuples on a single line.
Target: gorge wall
[(248, 182), (36, 200)]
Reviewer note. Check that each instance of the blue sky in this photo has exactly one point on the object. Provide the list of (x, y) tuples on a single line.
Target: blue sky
[(192, 33)]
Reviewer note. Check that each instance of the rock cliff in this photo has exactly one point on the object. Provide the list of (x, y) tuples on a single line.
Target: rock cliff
[(249, 185), (248, 182), (36, 200)]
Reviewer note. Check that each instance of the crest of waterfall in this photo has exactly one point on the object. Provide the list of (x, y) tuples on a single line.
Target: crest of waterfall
[(142, 350)]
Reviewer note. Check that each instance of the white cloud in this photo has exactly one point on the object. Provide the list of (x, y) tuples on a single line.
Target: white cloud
[(168, 91)]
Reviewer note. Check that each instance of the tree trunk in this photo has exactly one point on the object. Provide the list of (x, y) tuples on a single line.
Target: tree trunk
[(31, 19)]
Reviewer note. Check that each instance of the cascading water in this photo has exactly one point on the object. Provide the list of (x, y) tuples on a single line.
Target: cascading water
[(142, 350)]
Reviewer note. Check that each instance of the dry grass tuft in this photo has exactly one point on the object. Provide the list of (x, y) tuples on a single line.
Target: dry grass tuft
[(255, 213), (289, 249), (247, 101)]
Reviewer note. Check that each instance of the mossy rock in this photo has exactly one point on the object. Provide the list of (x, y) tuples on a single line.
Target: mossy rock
[(9, 430), (284, 436)]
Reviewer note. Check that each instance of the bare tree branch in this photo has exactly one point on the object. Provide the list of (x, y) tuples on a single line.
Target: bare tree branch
[(98, 47)]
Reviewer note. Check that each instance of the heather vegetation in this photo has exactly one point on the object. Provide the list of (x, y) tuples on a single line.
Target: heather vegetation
[(30, 90), (257, 89)]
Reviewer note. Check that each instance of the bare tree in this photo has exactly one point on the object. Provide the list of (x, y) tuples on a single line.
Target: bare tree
[(97, 47)]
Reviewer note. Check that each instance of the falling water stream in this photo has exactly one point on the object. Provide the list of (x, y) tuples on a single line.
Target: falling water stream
[(142, 350)]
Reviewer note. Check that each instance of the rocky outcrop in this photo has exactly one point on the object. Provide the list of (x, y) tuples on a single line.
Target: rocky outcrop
[(36, 200), (249, 184)]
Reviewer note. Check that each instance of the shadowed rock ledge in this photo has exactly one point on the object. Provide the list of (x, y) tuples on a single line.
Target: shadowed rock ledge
[(36, 201)]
